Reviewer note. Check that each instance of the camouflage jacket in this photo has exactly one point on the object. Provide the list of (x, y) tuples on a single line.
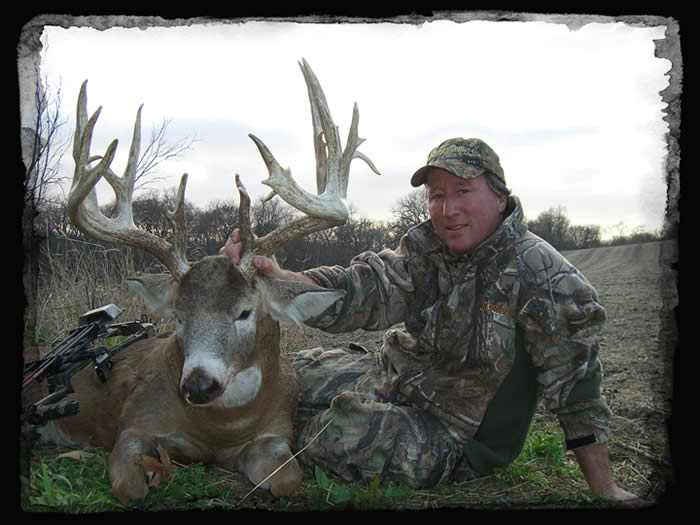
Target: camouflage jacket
[(469, 320)]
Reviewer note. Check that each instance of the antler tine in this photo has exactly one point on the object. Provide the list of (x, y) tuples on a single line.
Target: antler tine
[(82, 203), (177, 255), (246, 229), (351, 152), (333, 164), (325, 205), (275, 240), (325, 132)]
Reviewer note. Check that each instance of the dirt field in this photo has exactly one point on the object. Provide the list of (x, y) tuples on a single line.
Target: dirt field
[(638, 290), (638, 296)]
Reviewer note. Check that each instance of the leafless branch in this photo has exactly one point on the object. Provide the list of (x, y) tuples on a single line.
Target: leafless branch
[(156, 152), (43, 147)]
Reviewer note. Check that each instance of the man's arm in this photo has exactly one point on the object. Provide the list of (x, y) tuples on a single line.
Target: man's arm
[(378, 286)]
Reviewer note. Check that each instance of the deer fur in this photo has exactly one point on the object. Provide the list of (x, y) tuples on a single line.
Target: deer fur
[(246, 427)]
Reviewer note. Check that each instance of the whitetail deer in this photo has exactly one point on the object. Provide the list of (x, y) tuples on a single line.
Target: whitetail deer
[(218, 389)]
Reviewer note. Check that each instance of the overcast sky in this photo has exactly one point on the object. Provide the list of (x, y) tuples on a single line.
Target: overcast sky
[(575, 115)]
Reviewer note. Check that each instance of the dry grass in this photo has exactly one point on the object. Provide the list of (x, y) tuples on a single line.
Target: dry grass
[(84, 277), (72, 284)]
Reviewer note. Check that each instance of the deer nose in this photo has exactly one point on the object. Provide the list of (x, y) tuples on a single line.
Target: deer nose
[(200, 388)]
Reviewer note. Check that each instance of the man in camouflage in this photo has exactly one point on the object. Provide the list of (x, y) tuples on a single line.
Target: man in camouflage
[(483, 320)]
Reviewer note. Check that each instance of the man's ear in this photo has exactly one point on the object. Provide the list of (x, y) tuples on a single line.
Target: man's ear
[(295, 302), (158, 290), (502, 202)]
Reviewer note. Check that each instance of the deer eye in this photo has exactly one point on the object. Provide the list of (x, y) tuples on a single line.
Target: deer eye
[(244, 315)]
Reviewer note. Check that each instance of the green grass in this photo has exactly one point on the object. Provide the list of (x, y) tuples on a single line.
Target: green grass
[(329, 494), (543, 474), (68, 485), (82, 486)]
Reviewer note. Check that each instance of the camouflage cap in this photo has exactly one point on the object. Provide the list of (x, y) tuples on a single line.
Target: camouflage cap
[(465, 158)]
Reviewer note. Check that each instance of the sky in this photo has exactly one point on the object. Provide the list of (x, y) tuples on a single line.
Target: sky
[(575, 114)]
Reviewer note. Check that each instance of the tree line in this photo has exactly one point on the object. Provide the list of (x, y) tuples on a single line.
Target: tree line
[(45, 219), (209, 227)]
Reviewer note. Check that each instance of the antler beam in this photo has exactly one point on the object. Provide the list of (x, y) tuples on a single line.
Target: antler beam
[(83, 208)]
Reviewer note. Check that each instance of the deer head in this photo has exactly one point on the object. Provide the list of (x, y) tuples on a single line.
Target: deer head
[(222, 312)]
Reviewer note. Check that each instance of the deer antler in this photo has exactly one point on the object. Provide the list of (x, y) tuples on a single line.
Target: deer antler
[(83, 208), (325, 210)]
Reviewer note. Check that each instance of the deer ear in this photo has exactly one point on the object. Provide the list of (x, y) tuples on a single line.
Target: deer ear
[(157, 289), (295, 302)]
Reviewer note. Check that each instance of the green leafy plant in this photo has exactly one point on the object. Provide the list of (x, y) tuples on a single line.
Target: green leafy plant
[(329, 494), (79, 483), (67, 485)]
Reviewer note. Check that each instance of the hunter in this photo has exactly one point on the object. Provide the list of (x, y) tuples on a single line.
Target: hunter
[(483, 321)]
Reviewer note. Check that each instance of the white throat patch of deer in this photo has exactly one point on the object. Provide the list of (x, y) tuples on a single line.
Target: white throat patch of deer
[(218, 389)]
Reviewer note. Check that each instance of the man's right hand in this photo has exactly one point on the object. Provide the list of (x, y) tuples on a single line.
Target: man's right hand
[(232, 250), (266, 265)]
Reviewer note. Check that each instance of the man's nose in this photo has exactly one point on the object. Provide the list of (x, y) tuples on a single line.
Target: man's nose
[(449, 207)]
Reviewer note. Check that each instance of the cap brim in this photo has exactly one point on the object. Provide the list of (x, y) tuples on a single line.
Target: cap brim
[(418, 178), (463, 171)]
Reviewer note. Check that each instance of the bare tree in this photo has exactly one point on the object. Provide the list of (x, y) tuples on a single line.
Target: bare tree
[(553, 226), (214, 224), (409, 210), (158, 150), (585, 236), (269, 215), (42, 149), (619, 230)]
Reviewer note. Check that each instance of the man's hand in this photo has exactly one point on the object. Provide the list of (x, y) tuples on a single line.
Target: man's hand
[(266, 265), (232, 250)]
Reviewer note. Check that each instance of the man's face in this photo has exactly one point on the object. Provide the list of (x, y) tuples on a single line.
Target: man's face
[(464, 212)]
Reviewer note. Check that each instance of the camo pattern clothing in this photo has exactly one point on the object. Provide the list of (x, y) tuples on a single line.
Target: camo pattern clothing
[(473, 343)]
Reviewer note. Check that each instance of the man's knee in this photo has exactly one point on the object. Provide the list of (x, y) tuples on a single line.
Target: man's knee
[(359, 438)]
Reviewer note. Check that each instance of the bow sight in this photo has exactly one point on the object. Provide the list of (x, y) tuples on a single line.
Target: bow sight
[(71, 355)]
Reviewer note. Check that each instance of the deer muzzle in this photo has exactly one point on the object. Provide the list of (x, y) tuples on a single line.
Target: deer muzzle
[(199, 388)]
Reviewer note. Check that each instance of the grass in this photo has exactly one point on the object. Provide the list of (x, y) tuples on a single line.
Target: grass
[(543, 475), (329, 494), (69, 485), (81, 485)]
